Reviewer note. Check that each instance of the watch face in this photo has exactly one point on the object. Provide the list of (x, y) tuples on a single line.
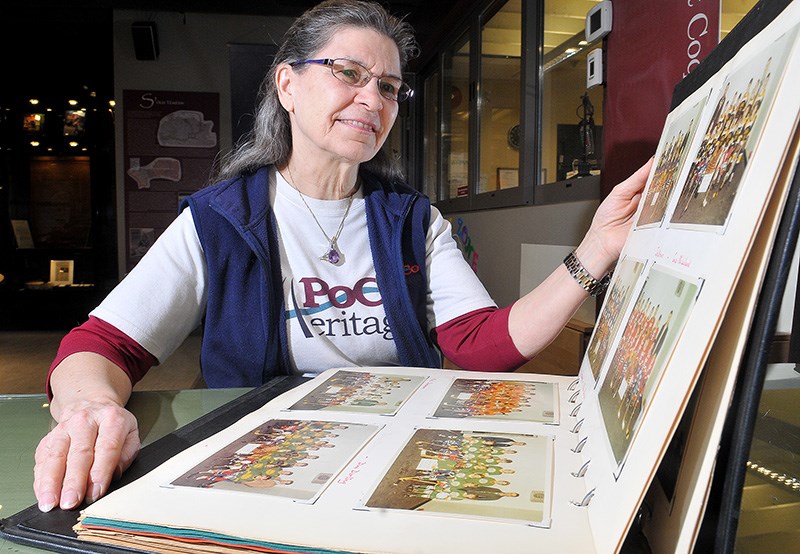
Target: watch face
[(513, 137)]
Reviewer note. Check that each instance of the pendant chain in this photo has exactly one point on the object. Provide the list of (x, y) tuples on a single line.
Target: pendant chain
[(333, 255)]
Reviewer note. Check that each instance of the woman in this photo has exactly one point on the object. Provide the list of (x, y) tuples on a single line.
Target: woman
[(310, 253)]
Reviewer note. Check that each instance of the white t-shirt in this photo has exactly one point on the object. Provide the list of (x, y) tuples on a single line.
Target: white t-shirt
[(334, 313)]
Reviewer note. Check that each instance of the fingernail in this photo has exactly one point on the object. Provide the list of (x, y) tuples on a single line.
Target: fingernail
[(95, 493), (69, 499), (47, 502)]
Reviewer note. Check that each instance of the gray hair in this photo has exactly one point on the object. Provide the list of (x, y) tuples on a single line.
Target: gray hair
[(270, 140)]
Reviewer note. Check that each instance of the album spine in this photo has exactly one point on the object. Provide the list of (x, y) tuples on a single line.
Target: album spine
[(575, 423)]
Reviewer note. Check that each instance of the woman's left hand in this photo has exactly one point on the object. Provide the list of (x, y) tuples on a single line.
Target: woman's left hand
[(614, 217)]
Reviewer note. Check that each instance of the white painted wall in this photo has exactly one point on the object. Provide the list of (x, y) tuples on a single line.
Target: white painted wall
[(498, 236)]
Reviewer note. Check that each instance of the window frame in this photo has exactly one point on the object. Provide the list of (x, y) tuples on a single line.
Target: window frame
[(531, 190)]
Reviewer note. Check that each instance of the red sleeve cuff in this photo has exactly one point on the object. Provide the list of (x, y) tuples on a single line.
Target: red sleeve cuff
[(479, 341), (100, 337)]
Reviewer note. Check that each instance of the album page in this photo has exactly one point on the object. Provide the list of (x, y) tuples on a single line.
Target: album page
[(679, 493), (373, 460), (721, 161)]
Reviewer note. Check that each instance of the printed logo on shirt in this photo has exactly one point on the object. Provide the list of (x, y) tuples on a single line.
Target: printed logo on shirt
[(340, 296), (315, 310)]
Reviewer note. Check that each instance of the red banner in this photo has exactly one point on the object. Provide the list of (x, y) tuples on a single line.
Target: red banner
[(651, 47)]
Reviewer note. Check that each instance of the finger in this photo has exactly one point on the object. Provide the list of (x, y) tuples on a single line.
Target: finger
[(129, 451), (83, 434), (114, 438), (50, 465), (638, 179), (643, 172)]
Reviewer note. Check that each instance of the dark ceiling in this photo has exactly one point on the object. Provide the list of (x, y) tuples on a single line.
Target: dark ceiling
[(430, 18), (63, 45)]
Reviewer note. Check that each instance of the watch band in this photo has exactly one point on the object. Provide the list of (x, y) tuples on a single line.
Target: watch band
[(585, 279)]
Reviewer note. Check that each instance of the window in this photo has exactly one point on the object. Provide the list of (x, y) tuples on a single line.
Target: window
[(456, 118), (432, 88), (571, 115), (506, 109), (499, 99)]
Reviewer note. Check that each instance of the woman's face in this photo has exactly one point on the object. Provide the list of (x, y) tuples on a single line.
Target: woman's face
[(330, 118)]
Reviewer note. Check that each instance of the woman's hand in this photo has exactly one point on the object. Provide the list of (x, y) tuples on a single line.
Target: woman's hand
[(93, 443), (611, 223), (96, 438)]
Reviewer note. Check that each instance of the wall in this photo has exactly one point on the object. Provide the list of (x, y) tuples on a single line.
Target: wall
[(498, 235), (193, 57)]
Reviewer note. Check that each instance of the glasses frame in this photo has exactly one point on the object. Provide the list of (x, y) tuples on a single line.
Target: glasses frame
[(330, 62)]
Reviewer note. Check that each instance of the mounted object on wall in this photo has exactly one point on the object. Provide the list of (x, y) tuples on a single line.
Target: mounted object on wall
[(145, 40), (598, 21)]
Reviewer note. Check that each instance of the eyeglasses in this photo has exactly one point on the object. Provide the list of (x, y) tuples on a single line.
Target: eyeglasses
[(356, 75)]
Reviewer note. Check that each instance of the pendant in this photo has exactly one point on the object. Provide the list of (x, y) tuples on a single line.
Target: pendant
[(332, 256)]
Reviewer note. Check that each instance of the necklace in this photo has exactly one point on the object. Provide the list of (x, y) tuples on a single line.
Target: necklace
[(333, 255)]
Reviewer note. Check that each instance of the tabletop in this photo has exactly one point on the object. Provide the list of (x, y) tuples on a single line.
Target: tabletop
[(25, 419)]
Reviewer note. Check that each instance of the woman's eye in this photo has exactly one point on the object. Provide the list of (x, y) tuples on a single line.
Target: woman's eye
[(350, 75), (388, 88)]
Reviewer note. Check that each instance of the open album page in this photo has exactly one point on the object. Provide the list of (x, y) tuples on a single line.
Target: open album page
[(372, 460), (717, 167)]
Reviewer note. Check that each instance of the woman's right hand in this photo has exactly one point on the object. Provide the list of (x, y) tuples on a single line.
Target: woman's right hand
[(96, 438), (94, 442)]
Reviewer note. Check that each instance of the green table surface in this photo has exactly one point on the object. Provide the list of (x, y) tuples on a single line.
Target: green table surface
[(25, 419)]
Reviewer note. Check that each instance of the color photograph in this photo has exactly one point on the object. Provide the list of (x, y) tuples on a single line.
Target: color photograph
[(732, 135), (676, 140), (651, 331), (287, 458), (494, 399), (356, 391), (471, 474), (616, 304)]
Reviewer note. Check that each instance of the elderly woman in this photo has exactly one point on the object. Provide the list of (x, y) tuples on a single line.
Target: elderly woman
[(309, 253)]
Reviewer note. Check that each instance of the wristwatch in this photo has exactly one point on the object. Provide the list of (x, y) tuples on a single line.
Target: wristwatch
[(591, 285)]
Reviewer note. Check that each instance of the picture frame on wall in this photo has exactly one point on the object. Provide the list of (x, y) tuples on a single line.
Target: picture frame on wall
[(22, 233), (507, 177), (33, 122), (62, 272), (74, 123)]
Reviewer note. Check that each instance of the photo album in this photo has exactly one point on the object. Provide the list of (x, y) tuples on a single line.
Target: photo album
[(404, 460)]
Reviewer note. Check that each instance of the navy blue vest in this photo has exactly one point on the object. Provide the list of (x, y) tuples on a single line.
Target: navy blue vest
[(244, 326)]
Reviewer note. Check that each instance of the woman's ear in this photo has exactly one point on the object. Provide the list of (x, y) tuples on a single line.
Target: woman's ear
[(284, 82)]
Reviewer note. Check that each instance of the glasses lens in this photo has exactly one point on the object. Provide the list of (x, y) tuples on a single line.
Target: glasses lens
[(357, 75), (350, 72), (390, 87), (400, 90)]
